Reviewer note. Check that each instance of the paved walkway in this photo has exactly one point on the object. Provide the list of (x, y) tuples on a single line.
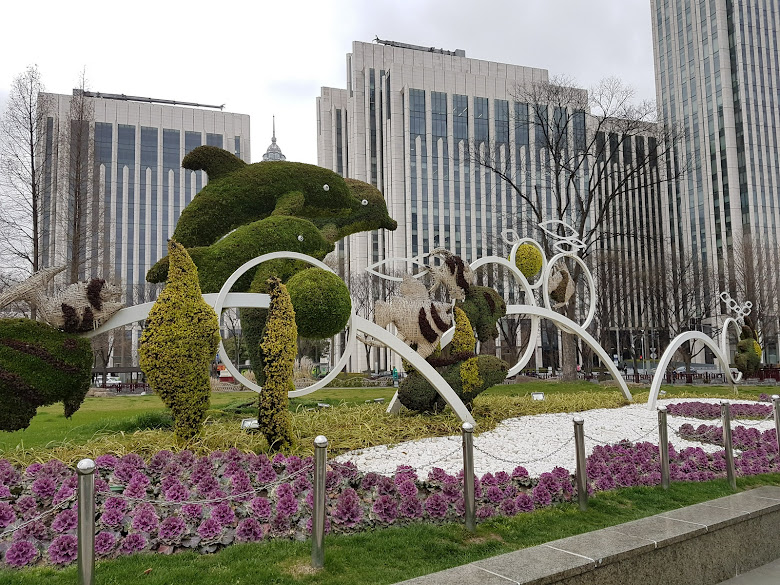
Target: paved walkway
[(769, 574)]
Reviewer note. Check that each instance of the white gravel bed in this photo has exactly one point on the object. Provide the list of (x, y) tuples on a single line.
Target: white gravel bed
[(539, 442)]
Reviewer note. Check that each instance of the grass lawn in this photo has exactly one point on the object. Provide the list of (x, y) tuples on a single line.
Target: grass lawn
[(389, 555)]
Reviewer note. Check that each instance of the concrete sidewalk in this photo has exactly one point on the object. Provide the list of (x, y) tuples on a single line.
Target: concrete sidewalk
[(769, 574)]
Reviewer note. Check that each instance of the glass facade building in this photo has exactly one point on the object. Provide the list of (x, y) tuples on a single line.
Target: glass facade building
[(718, 78), (407, 122), (137, 187)]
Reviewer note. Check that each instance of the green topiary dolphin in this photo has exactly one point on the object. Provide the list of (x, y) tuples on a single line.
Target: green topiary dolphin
[(238, 193)]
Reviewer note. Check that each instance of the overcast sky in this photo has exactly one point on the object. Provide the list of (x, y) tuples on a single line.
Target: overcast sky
[(266, 58)]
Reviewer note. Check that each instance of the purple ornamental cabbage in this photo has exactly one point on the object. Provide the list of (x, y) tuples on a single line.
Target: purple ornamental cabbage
[(44, 487), (436, 506), (407, 489), (209, 529), (410, 508), (172, 529), (386, 509), (63, 550), (21, 553), (104, 543), (133, 542), (249, 530), (7, 515), (261, 508), (65, 520), (348, 511), (145, 519), (224, 514)]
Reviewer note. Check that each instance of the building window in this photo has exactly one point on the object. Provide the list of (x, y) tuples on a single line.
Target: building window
[(481, 126), (237, 146), (460, 117), (502, 121), (439, 113), (214, 140)]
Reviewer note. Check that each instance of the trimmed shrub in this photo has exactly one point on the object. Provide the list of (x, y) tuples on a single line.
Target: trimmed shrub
[(179, 343), (321, 302), (40, 365), (483, 307), (528, 260), (279, 349)]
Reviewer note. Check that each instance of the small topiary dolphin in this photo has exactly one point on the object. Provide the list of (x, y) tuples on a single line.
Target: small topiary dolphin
[(274, 234), (238, 193)]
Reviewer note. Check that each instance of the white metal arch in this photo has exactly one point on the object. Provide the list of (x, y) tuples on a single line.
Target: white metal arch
[(667, 356)]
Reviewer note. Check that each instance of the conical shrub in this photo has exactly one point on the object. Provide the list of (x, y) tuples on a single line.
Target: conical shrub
[(178, 344)]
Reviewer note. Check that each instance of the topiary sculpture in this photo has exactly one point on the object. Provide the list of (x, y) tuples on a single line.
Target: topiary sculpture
[(40, 365), (238, 193), (279, 350), (178, 344), (467, 374), (267, 204)]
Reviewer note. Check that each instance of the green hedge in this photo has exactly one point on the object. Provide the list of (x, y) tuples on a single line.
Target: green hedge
[(40, 365), (178, 344)]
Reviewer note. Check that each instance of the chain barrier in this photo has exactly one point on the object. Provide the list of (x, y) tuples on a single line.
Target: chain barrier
[(59, 506), (265, 487), (754, 423), (513, 462), (634, 440)]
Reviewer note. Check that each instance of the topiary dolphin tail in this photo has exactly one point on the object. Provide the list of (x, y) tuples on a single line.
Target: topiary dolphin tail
[(215, 161)]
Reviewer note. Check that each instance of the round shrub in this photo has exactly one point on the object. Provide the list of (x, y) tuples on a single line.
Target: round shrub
[(321, 302), (528, 260)]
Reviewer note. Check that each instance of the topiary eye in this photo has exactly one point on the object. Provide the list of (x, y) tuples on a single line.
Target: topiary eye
[(325, 188), (364, 202), (300, 238)]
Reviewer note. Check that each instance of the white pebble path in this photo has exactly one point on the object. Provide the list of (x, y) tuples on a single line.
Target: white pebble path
[(539, 442)]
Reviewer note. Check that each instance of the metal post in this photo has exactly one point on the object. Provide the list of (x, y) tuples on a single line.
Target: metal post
[(468, 475), (776, 404), (582, 476), (318, 514), (725, 414), (86, 521), (663, 446)]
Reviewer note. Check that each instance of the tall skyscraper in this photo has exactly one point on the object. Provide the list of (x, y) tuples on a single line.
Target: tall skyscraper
[(415, 122), (113, 176), (718, 77)]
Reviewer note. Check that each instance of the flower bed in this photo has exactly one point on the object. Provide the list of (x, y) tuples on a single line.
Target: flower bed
[(708, 410), (742, 438), (176, 502)]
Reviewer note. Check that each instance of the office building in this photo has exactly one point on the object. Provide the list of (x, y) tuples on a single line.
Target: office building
[(118, 175), (718, 78), (409, 122)]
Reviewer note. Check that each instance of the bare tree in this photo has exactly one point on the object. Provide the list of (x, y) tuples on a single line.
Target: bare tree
[(22, 135), (684, 302), (586, 155), (756, 279), (83, 215)]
